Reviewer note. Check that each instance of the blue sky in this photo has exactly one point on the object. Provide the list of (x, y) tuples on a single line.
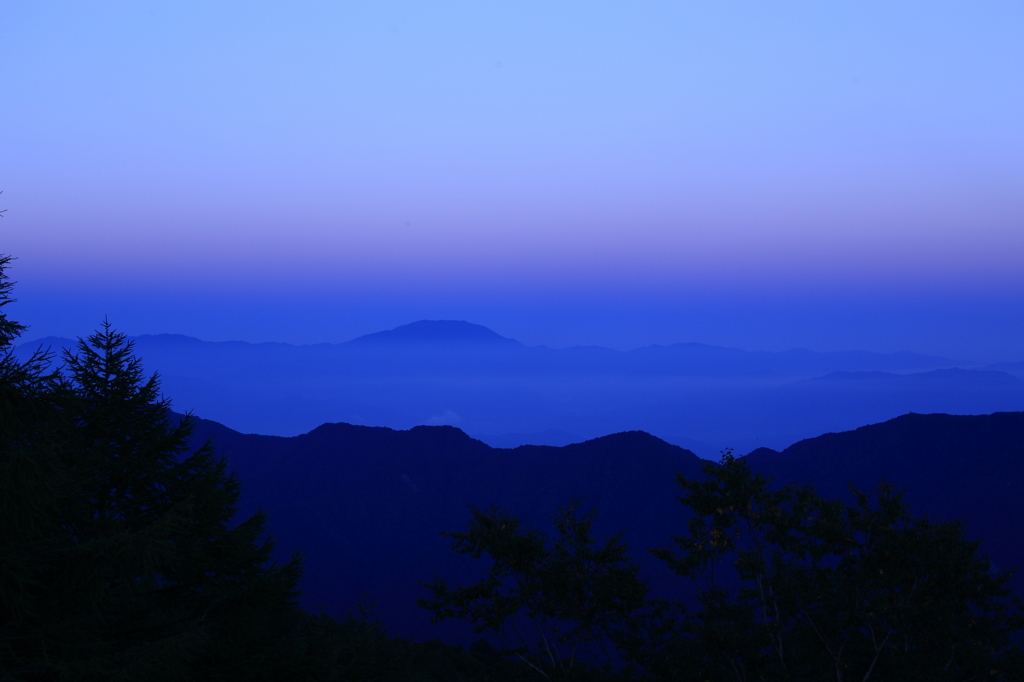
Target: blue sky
[(763, 175)]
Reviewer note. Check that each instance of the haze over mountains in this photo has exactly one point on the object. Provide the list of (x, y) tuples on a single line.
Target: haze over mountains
[(496, 389)]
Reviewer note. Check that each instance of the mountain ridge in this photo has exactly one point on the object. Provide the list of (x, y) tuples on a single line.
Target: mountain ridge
[(695, 395), (459, 331), (368, 504)]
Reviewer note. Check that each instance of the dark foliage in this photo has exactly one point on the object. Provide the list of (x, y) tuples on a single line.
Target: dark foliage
[(791, 586), (120, 560), (557, 606), (794, 586)]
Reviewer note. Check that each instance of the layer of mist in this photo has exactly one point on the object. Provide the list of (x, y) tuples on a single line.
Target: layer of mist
[(704, 398)]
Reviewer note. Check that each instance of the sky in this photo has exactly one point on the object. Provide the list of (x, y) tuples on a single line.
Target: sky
[(761, 175)]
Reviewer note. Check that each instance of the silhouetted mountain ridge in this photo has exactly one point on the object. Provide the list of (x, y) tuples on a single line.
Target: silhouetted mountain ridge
[(968, 467), (367, 504)]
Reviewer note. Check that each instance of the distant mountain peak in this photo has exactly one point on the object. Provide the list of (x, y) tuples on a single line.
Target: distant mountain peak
[(436, 332)]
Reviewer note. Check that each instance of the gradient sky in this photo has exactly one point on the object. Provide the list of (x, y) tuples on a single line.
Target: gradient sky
[(762, 175)]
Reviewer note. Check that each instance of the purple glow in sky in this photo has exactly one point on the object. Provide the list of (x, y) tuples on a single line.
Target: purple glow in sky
[(765, 175)]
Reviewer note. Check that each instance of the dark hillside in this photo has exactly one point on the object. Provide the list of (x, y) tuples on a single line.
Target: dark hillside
[(367, 504), (968, 467)]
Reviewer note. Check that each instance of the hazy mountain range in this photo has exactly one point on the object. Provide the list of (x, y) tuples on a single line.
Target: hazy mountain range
[(496, 389), (367, 505)]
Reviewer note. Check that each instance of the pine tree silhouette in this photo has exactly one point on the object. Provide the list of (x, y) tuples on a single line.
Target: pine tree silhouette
[(118, 556)]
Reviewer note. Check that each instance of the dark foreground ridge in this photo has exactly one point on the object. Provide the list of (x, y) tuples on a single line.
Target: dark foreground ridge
[(968, 467), (367, 504)]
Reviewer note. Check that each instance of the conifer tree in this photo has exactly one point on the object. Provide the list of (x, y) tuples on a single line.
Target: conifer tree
[(35, 484), (118, 557)]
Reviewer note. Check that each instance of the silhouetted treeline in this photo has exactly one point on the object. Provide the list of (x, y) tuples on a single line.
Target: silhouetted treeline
[(789, 586), (121, 558)]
